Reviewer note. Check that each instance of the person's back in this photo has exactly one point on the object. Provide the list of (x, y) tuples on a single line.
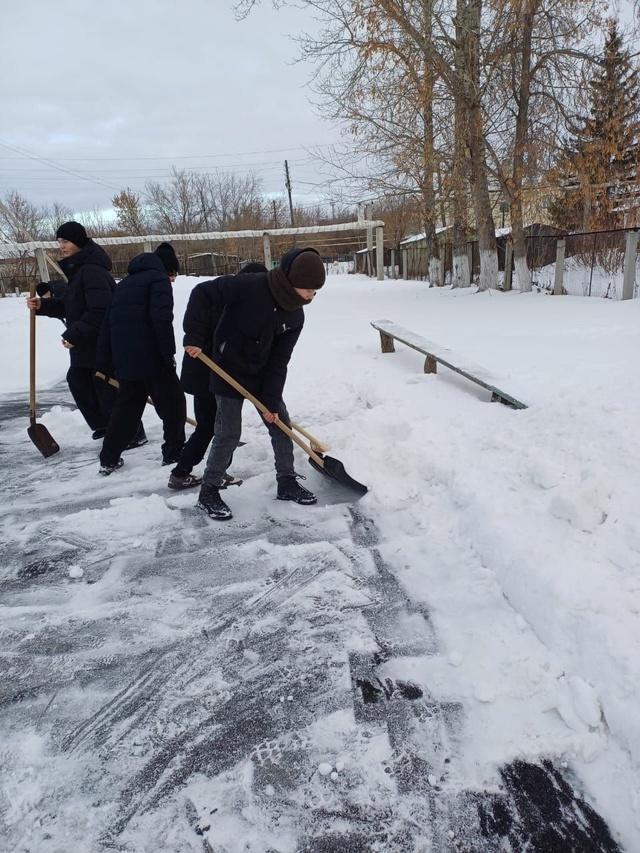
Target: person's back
[(137, 338), (199, 324), (140, 321)]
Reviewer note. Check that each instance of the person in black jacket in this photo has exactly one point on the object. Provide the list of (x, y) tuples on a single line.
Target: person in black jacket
[(82, 305), (261, 321), (199, 322), (137, 337), (47, 289)]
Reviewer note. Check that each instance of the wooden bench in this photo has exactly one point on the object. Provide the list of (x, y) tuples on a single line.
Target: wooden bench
[(441, 355)]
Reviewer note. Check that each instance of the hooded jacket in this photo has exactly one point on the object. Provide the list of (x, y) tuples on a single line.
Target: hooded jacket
[(137, 334), (253, 339), (84, 303)]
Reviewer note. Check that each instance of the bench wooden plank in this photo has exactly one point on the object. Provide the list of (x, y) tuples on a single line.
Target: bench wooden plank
[(436, 354)]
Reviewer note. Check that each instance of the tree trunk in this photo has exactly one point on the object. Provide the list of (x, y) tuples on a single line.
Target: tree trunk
[(521, 139), (479, 175), (461, 274)]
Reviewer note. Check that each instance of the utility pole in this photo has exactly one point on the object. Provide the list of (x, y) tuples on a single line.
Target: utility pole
[(275, 214), (288, 186)]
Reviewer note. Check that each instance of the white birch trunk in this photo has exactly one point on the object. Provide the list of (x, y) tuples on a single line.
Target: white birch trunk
[(434, 272), (523, 276), (460, 277), (488, 269)]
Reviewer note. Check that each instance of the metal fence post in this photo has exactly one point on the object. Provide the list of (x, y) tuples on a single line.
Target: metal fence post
[(630, 255), (557, 283)]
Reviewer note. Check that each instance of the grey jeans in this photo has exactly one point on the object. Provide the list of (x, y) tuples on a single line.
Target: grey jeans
[(227, 435)]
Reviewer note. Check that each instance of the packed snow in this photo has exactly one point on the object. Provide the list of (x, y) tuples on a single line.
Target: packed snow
[(519, 530)]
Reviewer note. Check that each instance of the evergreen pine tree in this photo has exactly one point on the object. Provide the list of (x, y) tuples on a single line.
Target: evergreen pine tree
[(600, 168)]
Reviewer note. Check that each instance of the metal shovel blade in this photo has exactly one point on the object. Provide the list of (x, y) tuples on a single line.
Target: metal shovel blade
[(43, 440), (334, 469)]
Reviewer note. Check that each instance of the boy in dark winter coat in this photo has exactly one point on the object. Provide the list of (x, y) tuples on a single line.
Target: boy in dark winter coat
[(199, 323), (137, 338), (82, 305), (261, 321)]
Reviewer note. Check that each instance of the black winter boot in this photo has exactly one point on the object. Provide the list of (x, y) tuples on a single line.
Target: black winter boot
[(105, 470), (210, 501), (289, 489)]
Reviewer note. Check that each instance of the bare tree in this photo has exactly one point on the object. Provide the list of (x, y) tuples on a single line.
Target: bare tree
[(22, 220), (534, 65), (55, 216), (371, 75), (176, 207)]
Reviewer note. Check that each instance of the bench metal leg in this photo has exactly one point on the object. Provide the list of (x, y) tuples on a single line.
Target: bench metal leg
[(496, 398), (430, 365), (386, 343)]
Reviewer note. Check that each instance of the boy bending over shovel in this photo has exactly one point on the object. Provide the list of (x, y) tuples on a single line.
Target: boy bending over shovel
[(253, 342)]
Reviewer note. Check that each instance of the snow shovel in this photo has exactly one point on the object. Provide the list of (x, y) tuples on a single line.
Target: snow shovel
[(116, 384), (315, 443), (327, 465), (38, 433)]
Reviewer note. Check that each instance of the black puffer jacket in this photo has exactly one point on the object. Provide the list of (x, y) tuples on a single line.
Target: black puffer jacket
[(254, 337), (200, 320), (85, 301), (137, 335)]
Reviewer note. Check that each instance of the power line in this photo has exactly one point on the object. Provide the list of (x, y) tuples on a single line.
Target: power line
[(174, 156), (54, 165)]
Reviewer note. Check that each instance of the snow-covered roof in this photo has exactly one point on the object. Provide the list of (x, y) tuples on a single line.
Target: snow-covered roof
[(415, 238)]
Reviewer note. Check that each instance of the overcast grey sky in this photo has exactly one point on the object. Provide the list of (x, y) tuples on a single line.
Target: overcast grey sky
[(120, 91)]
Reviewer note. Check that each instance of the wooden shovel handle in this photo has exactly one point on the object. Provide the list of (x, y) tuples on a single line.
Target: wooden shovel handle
[(116, 384), (261, 408), (32, 357), (315, 443)]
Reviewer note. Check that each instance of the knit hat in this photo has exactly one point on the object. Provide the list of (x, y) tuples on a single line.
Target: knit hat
[(306, 270), (168, 257), (74, 233), (254, 266)]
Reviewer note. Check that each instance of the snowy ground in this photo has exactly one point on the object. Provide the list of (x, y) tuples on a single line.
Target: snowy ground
[(449, 664)]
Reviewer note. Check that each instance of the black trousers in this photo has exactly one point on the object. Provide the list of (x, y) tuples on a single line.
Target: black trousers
[(205, 409), (170, 404), (94, 397)]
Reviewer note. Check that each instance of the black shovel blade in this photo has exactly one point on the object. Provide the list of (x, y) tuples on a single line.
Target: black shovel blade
[(43, 440), (334, 469)]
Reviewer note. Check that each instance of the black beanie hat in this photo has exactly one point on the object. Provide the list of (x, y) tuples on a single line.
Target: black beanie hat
[(168, 257), (306, 270), (254, 266), (74, 233)]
